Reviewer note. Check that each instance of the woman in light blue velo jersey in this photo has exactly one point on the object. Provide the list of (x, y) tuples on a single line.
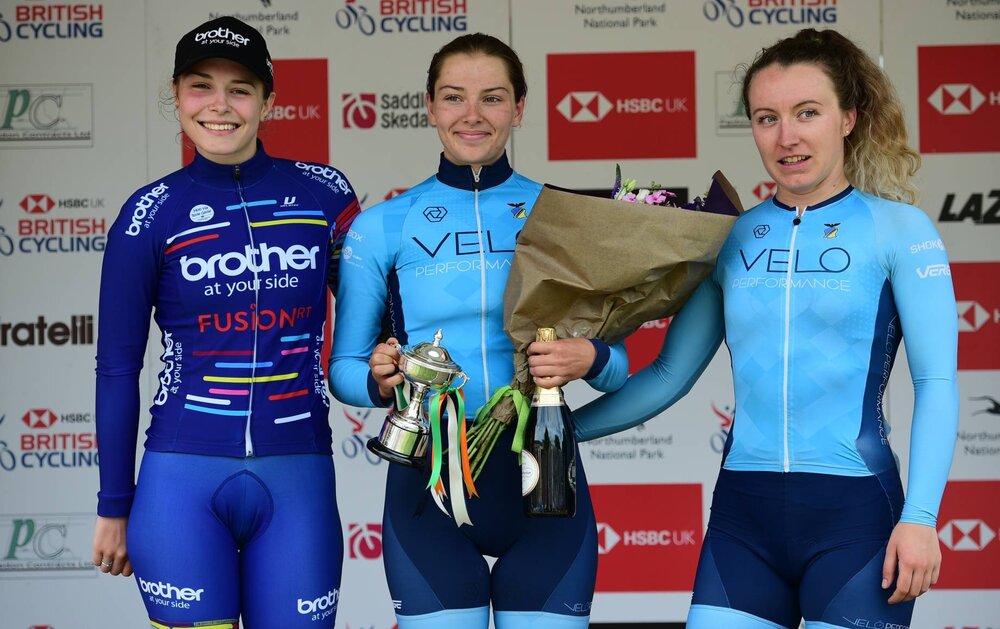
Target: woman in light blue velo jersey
[(438, 256), (234, 256), (813, 291)]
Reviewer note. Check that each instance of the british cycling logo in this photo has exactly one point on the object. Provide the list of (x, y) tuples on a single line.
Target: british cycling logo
[(435, 213), (55, 21), (764, 12), (45, 442), (355, 444), (726, 415), (403, 16), (43, 232)]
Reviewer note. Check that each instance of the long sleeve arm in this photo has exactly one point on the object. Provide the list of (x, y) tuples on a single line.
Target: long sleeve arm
[(925, 300), (692, 340)]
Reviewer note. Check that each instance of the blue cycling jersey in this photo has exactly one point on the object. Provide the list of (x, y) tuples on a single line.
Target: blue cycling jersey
[(813, 310), (233, 261), (438, 257)]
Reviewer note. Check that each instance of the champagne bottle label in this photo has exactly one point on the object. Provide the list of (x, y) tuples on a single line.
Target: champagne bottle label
[(529, 473)]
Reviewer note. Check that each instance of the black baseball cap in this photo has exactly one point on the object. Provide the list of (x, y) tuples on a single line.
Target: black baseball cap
[(229, 38)]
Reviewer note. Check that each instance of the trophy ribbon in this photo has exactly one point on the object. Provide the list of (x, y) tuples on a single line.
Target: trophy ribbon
[(458, 458), (486, 428)]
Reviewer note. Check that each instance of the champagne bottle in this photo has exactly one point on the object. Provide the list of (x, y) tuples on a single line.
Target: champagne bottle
[(548, 458)]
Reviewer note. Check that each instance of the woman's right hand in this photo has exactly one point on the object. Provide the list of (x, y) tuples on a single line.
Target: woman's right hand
[(110, 553), (384, 363)]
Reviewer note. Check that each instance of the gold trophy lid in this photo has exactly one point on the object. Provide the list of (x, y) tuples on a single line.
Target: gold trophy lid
[(432, 355), (545, 334)]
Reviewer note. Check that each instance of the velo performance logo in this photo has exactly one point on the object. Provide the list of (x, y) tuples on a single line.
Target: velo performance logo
[(766, 12), (590, 110), (403, 16), (959, 98)]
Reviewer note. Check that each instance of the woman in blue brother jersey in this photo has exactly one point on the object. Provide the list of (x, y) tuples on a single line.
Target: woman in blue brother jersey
[(813, 291), (234, 257), (438, 256)]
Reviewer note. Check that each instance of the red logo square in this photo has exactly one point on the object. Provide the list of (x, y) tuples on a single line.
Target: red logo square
[(299, 127), (624, 105), (968, 524), (639, 526), (959, 98), (977, 291)]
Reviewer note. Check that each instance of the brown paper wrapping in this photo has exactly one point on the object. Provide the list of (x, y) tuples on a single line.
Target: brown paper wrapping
[(600, 268)]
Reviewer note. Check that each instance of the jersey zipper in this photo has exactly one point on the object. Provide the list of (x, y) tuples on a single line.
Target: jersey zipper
[(482, 281), (256, 297), (788, 311)]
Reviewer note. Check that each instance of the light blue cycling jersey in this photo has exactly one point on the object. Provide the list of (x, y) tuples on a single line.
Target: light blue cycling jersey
[(813, 310), (438, 257)]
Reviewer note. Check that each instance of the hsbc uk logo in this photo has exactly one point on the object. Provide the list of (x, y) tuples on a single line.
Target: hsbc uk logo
[(765, 190), (594, 106), (608, 538), (37, 203), (39, 418), (972, 316), (584, 106), (959, 99), (966, 535)]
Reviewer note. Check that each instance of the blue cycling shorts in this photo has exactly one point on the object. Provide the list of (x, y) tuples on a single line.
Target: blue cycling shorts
[(785, 546), (543, 564), (213, 539)]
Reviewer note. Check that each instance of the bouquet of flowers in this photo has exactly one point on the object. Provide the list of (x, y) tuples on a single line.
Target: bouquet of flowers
[(600, 268)]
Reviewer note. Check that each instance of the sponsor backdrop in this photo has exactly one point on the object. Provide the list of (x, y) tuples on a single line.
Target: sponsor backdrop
[(84, 121)]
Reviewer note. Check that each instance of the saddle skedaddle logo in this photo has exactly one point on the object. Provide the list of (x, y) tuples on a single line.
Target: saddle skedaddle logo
[(959, 98), (593, 113), (299, 124)]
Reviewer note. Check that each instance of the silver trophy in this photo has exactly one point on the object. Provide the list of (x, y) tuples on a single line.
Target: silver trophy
[(428, 368)]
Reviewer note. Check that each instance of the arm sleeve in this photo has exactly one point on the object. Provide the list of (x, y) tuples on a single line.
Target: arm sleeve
[(918, 270), (610, 368), (129, 278), (362, 295), (692, 339), (349, 208)]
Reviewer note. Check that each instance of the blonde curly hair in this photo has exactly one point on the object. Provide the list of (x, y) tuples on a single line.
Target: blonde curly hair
[(877, 156)]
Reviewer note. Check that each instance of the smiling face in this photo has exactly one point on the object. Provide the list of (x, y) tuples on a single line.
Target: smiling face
[(221, 104), (474, 109), (799, 129)]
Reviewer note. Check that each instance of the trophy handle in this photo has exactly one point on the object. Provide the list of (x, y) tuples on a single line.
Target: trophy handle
[(464, 377)]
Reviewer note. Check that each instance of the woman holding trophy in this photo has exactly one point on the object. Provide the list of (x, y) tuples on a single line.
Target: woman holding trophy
[(437, 258), (813, 291)]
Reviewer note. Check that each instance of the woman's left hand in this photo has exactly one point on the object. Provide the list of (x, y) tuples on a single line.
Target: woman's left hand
[(915, 553), (554, 363)]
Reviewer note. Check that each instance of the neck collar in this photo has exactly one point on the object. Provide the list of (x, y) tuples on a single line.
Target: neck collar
[(837, 197), (251, 171), (461, 176)]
